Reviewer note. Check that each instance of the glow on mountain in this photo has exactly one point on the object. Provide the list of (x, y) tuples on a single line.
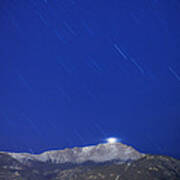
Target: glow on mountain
[(112, 140)]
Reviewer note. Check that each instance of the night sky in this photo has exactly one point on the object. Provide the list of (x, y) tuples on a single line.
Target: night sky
[(74, 72)]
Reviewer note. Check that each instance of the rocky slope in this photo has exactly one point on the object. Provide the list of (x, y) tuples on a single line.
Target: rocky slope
[(98, 153), (114, 161)]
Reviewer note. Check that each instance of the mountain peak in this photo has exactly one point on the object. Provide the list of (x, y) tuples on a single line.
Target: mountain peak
[(95, 153), (123, 162)]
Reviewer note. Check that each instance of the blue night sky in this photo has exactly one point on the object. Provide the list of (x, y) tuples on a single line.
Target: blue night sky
[(74, 72)]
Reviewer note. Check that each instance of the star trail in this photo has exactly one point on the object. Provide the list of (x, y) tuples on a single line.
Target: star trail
[(74, 73)]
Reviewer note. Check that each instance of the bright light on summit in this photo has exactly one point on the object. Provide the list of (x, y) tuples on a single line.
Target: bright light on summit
[(112, 140)]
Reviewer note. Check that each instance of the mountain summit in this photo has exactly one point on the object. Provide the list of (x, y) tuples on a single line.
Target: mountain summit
[(97, 153), (111, 161)]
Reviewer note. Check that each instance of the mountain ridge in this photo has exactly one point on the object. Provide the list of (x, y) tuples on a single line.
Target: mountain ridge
[(95, 153), (110, 162)]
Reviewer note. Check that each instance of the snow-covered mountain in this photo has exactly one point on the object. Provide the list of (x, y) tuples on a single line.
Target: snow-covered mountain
[(96, 153)]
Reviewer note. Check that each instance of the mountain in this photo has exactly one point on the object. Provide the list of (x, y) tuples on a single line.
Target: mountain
[(111, 161), (98, 153)]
